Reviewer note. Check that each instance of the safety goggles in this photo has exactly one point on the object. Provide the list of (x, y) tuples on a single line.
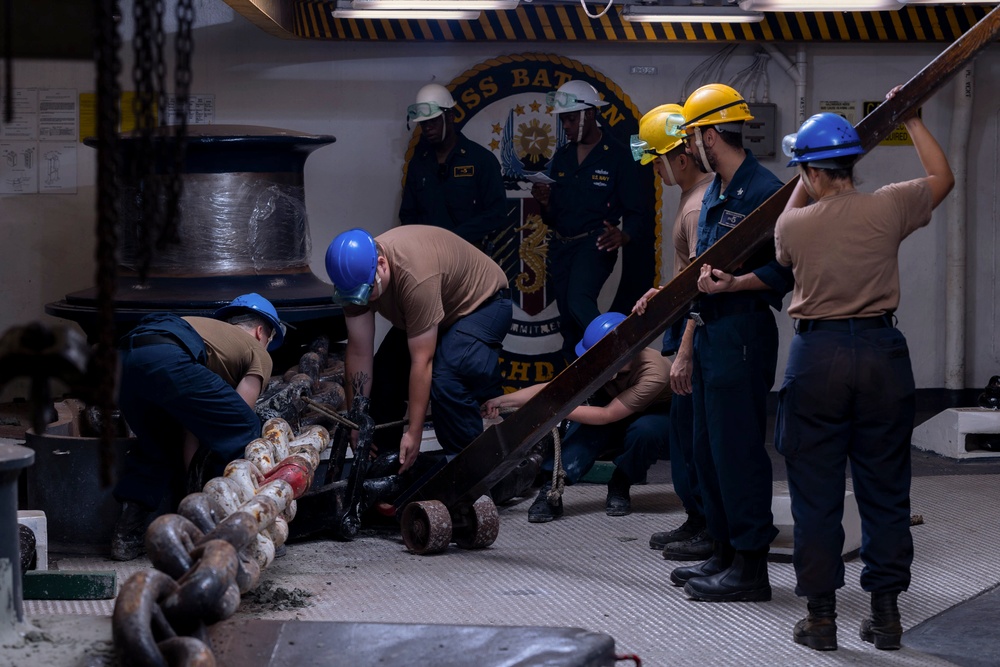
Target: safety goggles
[(788, 144), (641, 150), (357, 296), (274, 332), (423, 110), (562, 100)]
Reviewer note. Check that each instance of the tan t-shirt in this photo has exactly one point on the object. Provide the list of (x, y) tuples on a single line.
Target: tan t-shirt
[(645, 383), (844, 250), (686, 224), (435, 279), (232, 352)]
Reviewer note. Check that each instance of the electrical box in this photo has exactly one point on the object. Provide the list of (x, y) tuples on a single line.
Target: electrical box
[(758, 134)]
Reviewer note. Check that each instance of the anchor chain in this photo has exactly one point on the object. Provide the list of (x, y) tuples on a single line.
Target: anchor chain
[(214, 549)]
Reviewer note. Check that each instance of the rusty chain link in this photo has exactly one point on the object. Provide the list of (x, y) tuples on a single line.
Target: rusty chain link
[(213, 550)]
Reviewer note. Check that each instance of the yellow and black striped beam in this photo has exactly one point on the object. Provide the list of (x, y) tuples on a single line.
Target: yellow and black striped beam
[(313, 19)]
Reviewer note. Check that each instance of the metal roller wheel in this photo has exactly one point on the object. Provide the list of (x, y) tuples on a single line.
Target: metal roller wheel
[(483, 527), (426, 527)]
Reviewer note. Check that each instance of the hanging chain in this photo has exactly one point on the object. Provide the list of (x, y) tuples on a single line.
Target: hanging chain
[(8, 60), (183, 48), (107, 44), (143, 157), (157, 223)]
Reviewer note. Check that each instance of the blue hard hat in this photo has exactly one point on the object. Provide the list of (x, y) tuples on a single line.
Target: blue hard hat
[(822, 137), (351, 259), (596, 330), (260, 306)]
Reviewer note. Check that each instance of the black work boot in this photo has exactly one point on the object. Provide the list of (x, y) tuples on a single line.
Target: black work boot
[(883, 627), (744, 581), (619, 503), (721, 559), (517, 482), (694, 524), (127, 541), (818, 630), (698, 547), (542, 510)]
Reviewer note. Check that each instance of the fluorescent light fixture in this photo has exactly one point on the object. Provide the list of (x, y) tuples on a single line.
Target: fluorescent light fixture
[(657, 14), (819, 5), (466, 5), (431, 14), (947, 2)]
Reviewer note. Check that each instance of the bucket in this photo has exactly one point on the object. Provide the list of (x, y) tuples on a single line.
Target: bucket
[(65, 483)]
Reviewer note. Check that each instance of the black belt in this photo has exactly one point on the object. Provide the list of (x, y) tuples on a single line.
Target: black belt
[(144, 340), (501, 294), (709, 312), (577, 237), (851, 325)]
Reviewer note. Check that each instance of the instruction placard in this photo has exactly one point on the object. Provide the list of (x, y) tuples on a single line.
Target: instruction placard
[(38, 150), (846, 110)]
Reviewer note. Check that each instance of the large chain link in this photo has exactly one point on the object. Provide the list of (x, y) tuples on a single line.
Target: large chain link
[(213, 550)]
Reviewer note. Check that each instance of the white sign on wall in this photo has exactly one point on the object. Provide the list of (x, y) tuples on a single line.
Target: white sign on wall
[(38, 147), (849, 110)]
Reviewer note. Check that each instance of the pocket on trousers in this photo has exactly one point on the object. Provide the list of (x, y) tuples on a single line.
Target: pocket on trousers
[(787, 438)]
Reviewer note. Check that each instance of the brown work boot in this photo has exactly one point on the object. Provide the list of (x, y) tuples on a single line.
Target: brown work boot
[(883, 628), (127, 541), (818, 630)]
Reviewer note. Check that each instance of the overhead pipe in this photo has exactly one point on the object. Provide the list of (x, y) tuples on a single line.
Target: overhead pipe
[(796, 72), (955, 263)]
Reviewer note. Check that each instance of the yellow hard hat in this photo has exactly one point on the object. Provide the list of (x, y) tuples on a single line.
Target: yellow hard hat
[(659, 133), (715, 104)]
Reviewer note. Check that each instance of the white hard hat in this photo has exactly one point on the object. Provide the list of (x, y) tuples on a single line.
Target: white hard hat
[(432, 100), (574, 96)]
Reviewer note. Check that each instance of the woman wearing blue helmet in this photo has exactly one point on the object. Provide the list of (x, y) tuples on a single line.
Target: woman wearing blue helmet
[(848, 391), (629, 412)]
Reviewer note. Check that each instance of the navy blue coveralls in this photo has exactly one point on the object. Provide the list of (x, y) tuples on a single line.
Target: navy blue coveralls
[(166, 388), (683, 472), (604, 187), (464, 195), (735, 358)]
